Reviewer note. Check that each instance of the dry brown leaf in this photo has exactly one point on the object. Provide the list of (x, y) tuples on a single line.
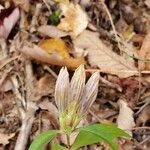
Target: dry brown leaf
[(75, 20), (103, 57), (144, 116), (144, 54), (45, 85), (51, 31), (24, 4), (4, 138), (125, 118), (35, 52), (6, 86), (47, 105)]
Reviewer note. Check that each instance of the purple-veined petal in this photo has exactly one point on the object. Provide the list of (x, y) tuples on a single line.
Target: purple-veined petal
[(61, 90), (77, 85), (90, 93)]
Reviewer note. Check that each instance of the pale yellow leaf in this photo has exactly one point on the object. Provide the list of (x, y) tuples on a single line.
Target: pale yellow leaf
[(125, 118), (102, 56), (75, 19), (55, 46)]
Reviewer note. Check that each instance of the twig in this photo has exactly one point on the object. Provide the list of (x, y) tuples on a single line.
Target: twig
[(22, 20), (95, 116), (4, 47), (26, 127), (111, 21), (121, 71), (48, 7), (145, 140), (141, 128), (30, 110), (122, 45), (20, 101), (113, 85), (5, 74), (46, 67), (142, 107), (5, 62), (35, 17)]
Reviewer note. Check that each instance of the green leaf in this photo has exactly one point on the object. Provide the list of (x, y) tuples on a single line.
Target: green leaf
[(58, 147), (54, 19), (42, 139), (97, 133)]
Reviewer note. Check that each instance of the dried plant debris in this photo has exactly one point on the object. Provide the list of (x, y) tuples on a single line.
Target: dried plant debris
[(37, 38), (9, 17)]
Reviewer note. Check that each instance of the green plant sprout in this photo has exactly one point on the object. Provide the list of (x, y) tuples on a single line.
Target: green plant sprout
[(73, 99), (54, 18)]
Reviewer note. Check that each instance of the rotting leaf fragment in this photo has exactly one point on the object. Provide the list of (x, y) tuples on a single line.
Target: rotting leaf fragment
[(8, 19)]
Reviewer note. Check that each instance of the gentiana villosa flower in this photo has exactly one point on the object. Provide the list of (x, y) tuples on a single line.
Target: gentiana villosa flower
[(74, 98)]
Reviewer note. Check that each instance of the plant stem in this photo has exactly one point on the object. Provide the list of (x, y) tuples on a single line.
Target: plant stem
[(68, 142)]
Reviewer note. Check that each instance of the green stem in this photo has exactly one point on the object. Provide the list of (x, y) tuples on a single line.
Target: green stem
[(68, 142)]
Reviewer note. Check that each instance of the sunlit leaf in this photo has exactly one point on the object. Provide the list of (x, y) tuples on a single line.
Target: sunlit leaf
[(35, 52), (97, 133), (58, 49), (55, 46), (41, 140)]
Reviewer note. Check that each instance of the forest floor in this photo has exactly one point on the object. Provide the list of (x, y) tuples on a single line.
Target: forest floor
[(38, 37)]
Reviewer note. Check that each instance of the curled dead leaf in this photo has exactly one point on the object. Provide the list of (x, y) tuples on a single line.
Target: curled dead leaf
[(125, 118), (51, 31), (75, 19), (35, 52), (46, 85), (47, 105)]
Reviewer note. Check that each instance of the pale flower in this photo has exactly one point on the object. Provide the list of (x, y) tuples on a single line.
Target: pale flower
[(74, 98)]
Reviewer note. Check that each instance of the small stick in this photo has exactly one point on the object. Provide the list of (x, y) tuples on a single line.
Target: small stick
[(35, 17), (26, 127), (5, 62), (4, 47), (113, 85), (5, 76), (48, 7), (46, 67)]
